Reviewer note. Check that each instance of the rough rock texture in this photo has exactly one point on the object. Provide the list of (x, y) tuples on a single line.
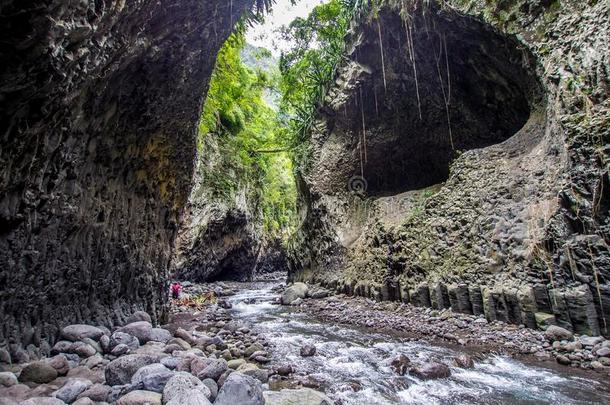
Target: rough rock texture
[(99, 105), (496, 200)]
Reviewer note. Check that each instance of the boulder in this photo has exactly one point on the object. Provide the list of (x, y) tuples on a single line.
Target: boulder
[(308, 350), (137, 317), (294, 292), (235, 363), (74, 333), (554, 332), (120, 371), (464, 361), (42, 401), (603, 352), (60, 364), (213, 369), (72, 389), (431, 371), (151, 378), (141, 330), (8, 379), (39, 372), (192, 397), (97, 392), (159, 335), (180, 387), (301, 396), (212, 386), (240, 389), (400, 364), (140, 398), (118, 338)]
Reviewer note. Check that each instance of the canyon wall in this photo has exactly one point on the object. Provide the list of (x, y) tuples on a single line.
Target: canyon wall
[(461, 160), (99, 105)]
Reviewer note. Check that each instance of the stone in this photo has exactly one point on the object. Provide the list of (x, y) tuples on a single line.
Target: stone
[(76, 333), (294, 292), (151, 378), (603, 352), (120, 350), (192, 397), (464, 361), (285, 369), (213, 369), (553, 333), (301, 396), (212, 386), (589, 341), (84, 401), (140, 398), (181, 384), (82, 349), (60, 364), (561, 359), (307, 350), (400, 364), (72, 389), (234, 364), (240, 389), (118, 338), (42, 401), (255, 347), (8, 379), (170, 362), (5, 356), (39, 372), (159, 335), (431, 370), (140, 329), (97, 392), (138, 316), (120, 371)]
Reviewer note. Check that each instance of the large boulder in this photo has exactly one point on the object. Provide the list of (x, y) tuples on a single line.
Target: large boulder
[(39, 372), (120, 371), (294, 292), (179, 388), (75, 333), (240, 389), (301, 396), (430, 371), (554, 333)]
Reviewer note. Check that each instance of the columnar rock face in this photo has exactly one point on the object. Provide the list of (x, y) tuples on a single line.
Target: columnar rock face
[(461, 160), (99, 104)]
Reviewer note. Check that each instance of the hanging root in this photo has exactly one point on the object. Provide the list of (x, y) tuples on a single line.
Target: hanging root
[(382, 58), (411, 50), (363, 125), (446, 96)]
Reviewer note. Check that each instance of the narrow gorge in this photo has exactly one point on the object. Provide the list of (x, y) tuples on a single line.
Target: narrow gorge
[(304, 201)]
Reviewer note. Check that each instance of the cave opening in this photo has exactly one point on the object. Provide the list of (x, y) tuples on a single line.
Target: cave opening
[(434, 87)]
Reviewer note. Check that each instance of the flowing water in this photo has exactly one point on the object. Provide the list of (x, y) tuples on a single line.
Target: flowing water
[(350, 357)]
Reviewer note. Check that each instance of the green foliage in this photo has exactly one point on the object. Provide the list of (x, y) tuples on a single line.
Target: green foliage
[(237, 129)]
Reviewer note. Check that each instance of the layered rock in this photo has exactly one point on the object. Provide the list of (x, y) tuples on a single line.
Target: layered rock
[(99, 105), (460, 160)]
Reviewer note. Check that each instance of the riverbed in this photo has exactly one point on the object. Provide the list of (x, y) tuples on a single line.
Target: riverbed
[(353, 364)]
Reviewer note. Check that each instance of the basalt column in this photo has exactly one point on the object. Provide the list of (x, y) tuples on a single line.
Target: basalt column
[(99, 104)]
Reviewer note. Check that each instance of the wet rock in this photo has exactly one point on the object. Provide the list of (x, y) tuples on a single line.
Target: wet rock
[(241, 389), (140, 398), (39, 372), (561, 359), (301, 396), (121, 370), (8, 379), (554, 333), (151, 378), (294, 292), (137, 317), (72, 389), (432, 370), (464, 361), (75, 333), (307, 350), (179, 387), (400, 364)]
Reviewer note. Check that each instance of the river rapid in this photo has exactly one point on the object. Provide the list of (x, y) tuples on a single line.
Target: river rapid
[(352, 365)]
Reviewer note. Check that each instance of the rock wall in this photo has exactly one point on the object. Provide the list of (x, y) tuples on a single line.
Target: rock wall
[(99, 105), (461, 160)]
